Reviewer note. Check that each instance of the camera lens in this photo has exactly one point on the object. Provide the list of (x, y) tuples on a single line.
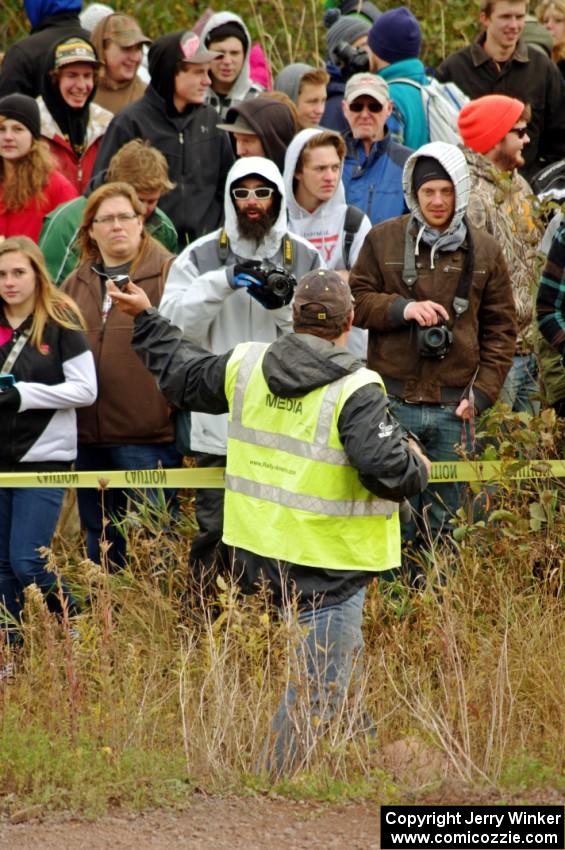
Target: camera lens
[(435, 337)]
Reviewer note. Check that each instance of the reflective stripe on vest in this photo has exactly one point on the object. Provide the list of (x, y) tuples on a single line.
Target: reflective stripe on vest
[(278, 486)]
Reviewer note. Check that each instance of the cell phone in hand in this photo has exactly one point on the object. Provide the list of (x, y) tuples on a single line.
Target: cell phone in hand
[(6, 382), (120, 280)]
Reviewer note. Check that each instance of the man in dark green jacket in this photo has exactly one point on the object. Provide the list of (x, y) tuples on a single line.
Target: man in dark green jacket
[(137, 163)]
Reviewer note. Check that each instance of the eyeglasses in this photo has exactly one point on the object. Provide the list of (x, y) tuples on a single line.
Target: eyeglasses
[(122, 218), (374, 106), (519, 131), (260, 193)]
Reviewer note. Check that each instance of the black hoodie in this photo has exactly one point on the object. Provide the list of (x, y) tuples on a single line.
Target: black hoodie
[(271, 120), (199, 155)]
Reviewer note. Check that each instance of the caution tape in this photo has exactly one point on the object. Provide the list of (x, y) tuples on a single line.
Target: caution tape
[(488, 471)]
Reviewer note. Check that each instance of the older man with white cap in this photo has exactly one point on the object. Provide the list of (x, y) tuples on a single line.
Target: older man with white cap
[(372, 171)]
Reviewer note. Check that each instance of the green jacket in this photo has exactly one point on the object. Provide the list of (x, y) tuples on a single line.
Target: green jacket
[(58, 239)]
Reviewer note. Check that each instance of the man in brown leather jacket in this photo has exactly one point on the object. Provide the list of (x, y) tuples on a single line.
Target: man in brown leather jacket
[(436, 296)]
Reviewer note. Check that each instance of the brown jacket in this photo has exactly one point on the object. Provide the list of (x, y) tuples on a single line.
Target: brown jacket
[(484, 337), (129, 407)]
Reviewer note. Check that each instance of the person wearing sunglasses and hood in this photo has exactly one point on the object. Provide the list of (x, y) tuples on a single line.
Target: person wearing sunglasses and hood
[(435, 294), (173, 116), (217, 294), (72, 124)]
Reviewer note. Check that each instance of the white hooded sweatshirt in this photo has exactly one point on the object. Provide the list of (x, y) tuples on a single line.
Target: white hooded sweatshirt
[(198, 297)]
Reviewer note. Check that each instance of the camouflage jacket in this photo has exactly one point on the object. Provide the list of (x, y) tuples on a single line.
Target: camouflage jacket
[(502, 203)]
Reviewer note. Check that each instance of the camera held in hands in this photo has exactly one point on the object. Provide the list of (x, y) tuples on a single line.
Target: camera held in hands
[(278, 281), (434, 341), (352, 60)]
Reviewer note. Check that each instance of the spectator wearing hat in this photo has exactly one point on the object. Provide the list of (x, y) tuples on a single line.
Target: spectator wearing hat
[(433, 269), (173, 116), (500, 62), (21, 69), (494, 130), (262, 126), (72, 124), (227, 35), (30, 185), (306, 87), (372, 172), (394, 47), (118, 41), (313, 511), (347, 32)]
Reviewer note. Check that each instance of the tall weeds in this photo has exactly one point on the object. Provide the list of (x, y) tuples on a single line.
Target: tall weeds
[(146, 695)]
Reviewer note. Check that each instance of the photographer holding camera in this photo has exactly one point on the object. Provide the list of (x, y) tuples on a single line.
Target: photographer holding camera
[(436, 296), (231, 286), (346, 54)]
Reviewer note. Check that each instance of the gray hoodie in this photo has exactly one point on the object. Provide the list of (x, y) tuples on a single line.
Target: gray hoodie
[(243, 87)]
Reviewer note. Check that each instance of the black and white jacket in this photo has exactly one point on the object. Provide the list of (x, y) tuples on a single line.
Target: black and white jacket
[(42, 434)]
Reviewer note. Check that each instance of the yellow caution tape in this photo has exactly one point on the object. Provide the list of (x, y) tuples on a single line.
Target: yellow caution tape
[(442, 472)]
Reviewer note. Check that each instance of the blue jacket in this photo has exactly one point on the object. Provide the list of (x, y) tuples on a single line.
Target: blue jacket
[(374, 182), (408, 101)]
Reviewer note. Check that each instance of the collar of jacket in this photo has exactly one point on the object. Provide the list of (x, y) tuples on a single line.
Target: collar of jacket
[(481, 57), (378, 148)]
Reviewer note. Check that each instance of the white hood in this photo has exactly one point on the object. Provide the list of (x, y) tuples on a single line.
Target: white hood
[(295, 211), (266, 168), (242, 82)]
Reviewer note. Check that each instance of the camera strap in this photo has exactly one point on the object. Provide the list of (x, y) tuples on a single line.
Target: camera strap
[(288, 250), (410, 274), (15, 351)]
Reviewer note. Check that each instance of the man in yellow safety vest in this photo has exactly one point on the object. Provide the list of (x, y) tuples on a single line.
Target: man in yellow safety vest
[(316, 469)]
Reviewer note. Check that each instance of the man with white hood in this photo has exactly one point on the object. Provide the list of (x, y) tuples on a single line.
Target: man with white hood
[(317, 208), (226, 34), (435, 294), (217, 295)]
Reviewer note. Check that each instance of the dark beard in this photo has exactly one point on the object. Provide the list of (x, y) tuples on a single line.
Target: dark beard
[(254, 230)]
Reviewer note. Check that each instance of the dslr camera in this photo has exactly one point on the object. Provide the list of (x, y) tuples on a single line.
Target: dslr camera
[(434, 341), (271, 285), (278, 282), (352, 60)]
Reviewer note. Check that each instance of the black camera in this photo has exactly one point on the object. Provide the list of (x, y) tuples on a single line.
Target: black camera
[(352, 60), (278, 281), (434, 341)]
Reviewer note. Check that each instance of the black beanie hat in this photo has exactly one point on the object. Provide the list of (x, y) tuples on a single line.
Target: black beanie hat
[(231, 29), (428, 168), (24, 109)]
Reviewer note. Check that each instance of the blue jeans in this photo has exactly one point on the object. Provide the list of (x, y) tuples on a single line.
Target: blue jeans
[(321, 664), (439, 430), (521, 389), (28, 518), (95, 505)]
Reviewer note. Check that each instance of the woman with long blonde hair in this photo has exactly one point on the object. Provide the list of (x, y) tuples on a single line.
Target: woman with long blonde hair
[(46, 372), (30, 185)]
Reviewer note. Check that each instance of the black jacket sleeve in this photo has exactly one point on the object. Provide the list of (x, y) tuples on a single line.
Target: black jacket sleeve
[(189, 376), (377, 446)]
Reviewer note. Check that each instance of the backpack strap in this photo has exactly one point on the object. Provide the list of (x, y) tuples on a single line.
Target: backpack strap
[(353, 218), (223, 246)]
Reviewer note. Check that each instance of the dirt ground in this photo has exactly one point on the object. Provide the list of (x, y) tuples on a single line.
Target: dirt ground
[(209, 824)]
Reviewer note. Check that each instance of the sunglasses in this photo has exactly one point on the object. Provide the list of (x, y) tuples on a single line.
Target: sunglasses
[(519, 131), (373, 106), (261, 193)]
